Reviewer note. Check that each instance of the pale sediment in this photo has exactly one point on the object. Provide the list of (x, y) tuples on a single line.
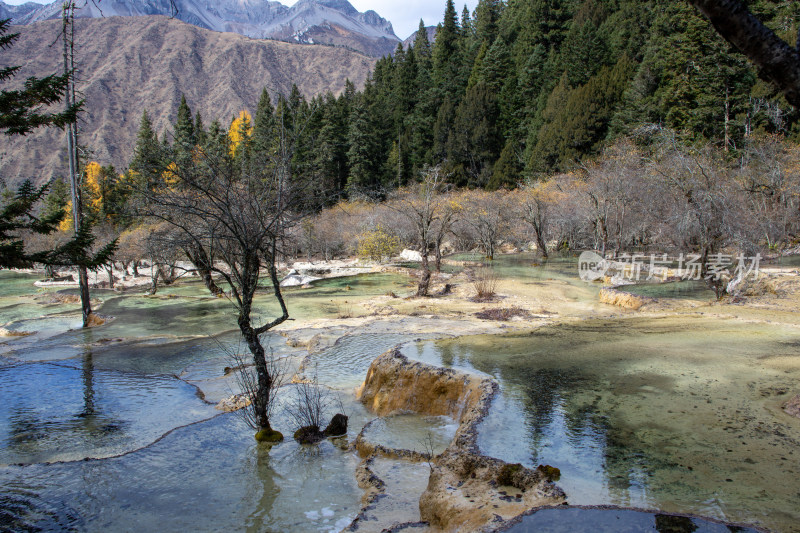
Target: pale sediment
[(623, 299), (463, 491)]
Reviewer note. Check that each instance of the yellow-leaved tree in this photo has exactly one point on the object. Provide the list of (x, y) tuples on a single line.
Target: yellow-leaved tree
[(94, 187), (241, 129), (67, 224)]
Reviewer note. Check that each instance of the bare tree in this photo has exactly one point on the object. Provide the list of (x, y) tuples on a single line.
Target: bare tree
[(430, 213), (485, 218), (235, 202)]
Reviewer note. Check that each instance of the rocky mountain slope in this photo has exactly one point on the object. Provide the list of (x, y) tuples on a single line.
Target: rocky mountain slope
[(409, 41), (332, 22), (128, 65)]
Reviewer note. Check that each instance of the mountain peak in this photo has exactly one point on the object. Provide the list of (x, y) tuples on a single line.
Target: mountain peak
[(330, 22)]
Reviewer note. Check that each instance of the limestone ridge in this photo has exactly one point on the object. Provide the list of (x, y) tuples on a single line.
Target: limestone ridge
[(466, 490), (330, 22), (129, 64)]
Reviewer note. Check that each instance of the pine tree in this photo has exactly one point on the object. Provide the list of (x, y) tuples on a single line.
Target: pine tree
[(199, 129), (363, 147), (422, 45), (185, 138), (145, 167), (23, 110), (264, 127), (487, 16), (475, 142), (446, 60)]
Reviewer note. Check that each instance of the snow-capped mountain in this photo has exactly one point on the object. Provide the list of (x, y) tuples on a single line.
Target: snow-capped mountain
[(332, 22)]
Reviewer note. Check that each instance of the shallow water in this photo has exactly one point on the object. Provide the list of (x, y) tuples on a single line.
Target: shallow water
[(620, 407), (680, 415), (53, 412), (616, 521), (690, 290), (126, 392), (209, 476), (410, 431)]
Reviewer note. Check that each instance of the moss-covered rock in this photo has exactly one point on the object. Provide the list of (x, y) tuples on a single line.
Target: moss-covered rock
[(337, 426), (308, 435), (508, 475), (269, 435), (550, 473)]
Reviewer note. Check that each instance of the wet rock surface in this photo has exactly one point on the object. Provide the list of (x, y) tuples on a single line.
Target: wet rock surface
[(337, 426), (462, 493), (793, 406)]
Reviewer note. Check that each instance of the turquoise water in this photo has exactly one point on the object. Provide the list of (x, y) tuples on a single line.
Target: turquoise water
[(128, 396), (690, 290), (679, 415)]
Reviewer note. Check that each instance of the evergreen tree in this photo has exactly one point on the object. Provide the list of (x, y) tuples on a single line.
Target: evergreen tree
[(446, 60), (475, 142), (361, 153), (145, 167), (23, 110), (185, 138)]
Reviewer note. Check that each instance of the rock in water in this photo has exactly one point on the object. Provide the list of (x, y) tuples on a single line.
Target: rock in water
[(308, 435), (793, 406), (337, 427), (234, 403)]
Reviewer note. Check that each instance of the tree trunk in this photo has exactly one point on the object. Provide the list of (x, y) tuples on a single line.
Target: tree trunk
[(154, 273), (202, 264), (541, 244), (425, 277), (135, 269), (776, 60), (72, 154), (262, 398), (438, 257)]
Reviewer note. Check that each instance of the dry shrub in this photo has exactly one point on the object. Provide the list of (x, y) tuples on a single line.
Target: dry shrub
[(308, 408), (485, 283), (247, 381)]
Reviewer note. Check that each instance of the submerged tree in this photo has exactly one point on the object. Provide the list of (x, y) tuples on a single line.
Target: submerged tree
[(234, 202)]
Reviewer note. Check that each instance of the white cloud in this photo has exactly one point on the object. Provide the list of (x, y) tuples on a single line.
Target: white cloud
[(403, 15)]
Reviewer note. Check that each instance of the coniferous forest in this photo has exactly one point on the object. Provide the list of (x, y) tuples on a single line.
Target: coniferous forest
[(520, 90)]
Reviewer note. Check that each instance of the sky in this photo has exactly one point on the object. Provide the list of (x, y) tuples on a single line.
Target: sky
[(403, 15)]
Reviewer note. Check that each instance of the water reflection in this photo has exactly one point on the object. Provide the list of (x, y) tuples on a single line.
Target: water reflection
[(668, 414)]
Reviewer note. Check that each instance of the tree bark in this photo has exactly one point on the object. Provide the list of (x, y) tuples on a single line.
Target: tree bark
[(262, 397), (203, 265), (425, 277), (72, 149), (776, 60)]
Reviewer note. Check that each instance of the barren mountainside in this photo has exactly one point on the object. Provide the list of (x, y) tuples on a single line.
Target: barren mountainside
[(332, 22), (129, 64)]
